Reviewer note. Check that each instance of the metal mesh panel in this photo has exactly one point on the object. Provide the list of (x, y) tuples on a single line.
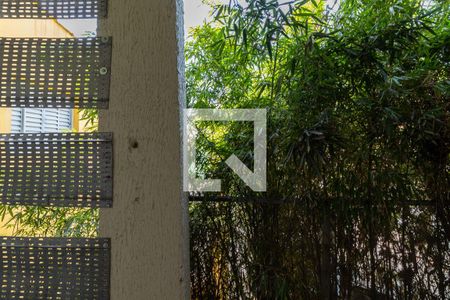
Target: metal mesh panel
[(61, 169), (61, 9), (54, 268), (57, 73)]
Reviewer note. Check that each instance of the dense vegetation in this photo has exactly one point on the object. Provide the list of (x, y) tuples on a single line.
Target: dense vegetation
[(358, 201)]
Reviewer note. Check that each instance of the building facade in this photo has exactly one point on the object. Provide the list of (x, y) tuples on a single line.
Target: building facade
[(16, 120)]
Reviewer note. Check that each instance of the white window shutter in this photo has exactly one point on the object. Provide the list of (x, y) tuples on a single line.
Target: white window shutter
[(38, 120)]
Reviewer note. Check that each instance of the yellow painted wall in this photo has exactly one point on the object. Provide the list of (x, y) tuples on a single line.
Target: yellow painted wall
[(78, 124), (5, 231), (32, 28), (5, 120)]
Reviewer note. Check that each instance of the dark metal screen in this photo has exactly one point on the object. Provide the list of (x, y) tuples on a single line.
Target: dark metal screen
[(58, 73), (61, 9), (54, 268), (55, 169), (61, 169)]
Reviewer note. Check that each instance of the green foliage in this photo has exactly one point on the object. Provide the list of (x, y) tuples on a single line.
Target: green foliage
[(90, 117), (50, 222), (357, 97)]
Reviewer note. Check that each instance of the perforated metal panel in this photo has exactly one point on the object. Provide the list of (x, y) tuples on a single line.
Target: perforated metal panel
[(57, 73), (65, 169), (61, 9), (54, 268)]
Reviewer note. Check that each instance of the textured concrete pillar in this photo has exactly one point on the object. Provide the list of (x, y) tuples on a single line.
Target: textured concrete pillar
[(148, 224)]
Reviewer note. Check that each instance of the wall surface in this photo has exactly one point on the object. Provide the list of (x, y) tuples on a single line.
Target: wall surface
[(32, 28), (27, 28), (5, 120), (148, 224)]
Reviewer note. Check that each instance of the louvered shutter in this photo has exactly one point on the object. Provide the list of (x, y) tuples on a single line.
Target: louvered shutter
[(50, 120), (54, 169), (64, 120), (16, 120), (36, 120), (33, 120), (57, 120)]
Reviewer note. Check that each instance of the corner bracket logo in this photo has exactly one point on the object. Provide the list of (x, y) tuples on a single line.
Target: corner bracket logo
[(256, 180)]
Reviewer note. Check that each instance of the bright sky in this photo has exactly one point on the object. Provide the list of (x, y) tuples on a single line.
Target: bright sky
[(80, 27), (195, 13)]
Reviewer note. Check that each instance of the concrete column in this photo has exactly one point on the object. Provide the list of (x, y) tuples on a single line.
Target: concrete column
[(148, 224)]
